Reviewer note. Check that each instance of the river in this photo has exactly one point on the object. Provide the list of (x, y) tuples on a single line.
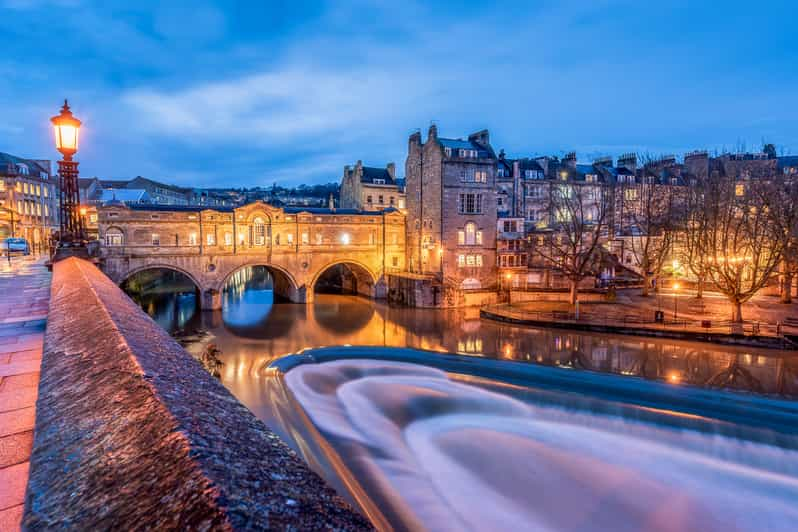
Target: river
[(253, 329)]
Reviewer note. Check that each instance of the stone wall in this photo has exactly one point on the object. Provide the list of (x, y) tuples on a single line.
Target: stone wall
[(132, 433)]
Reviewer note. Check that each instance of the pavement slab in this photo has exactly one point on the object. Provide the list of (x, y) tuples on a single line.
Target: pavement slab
[(24, 302)]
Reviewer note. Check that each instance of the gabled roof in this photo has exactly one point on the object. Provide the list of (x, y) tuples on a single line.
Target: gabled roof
[(370, 174), (459, 144), (33, 166), (134, 195)]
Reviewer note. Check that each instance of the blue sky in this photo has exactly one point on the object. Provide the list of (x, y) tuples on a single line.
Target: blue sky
[(250, 93)]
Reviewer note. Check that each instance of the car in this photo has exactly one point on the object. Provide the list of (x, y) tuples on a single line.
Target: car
[(16, 245)]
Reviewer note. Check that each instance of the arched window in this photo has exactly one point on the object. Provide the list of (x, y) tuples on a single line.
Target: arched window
[(472, 236), (259, 232), (470, 283), (114, 237)]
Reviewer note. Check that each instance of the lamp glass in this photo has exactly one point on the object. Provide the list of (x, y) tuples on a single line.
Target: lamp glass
[(66, 137)]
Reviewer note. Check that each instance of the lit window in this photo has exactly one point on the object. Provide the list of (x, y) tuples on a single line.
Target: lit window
[(114, 237), (470, 234), (345, 239), (479, 238), (155, 239), (401, 203), (92, 217), (630, 193), (259, 232), (289, 238), (461, 260), (305, 238), (739, 189), (210, 239), (319, 239), (228, 239), (460, 238), (192, 239)]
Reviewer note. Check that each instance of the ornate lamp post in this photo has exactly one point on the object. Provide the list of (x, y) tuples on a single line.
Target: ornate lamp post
[(72, 232)]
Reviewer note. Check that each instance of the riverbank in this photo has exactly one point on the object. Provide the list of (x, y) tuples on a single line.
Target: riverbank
[(636, 320)]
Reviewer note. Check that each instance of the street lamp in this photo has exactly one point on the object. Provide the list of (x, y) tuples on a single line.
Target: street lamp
[(67, 130)]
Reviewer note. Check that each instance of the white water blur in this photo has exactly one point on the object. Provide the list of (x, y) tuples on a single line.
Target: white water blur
[(446, 455)]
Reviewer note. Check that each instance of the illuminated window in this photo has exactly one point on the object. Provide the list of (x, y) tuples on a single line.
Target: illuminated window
[(228, 239), (210, 239), (114, 237), (470, 234), (289, 238), (461, 238), (630, 193), (306, 238), (739, 189), (461, 261), (155, 239), (401, 203), (345, 239), (92, 217), (319, 239), (259, 232), (192, 239)]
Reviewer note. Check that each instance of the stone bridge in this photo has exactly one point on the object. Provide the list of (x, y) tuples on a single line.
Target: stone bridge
[(297, 245)]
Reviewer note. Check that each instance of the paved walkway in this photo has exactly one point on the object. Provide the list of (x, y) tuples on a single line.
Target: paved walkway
[(24, 299)]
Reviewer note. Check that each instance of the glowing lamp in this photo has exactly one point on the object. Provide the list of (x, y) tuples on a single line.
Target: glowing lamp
[(83, 211), (345, 239), (67, 130), (676, 286)]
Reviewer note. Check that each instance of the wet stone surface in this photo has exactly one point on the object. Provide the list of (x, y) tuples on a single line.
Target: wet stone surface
[(131, 432)]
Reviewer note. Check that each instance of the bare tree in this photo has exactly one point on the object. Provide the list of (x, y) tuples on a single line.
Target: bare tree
[(578, 214), (785, 210), (695, 230), (650, 209), (735, 236)]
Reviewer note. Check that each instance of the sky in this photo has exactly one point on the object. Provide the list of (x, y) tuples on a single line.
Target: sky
[(238, 93)]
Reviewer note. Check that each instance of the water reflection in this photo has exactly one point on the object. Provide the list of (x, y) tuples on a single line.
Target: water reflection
[(253, 329)]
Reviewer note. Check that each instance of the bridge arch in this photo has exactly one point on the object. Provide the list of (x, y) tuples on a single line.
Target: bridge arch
[(361, 279), (284, 283), (161, 266)]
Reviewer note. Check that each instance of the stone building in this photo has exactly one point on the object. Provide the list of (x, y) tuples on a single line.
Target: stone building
[(28, 199), (452, 213), (371, 189)]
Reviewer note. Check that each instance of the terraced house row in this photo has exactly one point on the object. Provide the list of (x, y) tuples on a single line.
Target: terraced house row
[(479, 221)]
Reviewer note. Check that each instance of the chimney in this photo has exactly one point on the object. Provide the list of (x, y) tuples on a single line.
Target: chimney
[(392, 170), (480, 137), (332, 202), (570, 160), (516, 169), (433, 133), (501, 154), (629, 160), (415, 139)]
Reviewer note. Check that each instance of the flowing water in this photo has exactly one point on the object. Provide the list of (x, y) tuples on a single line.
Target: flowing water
[(435, 450), (419, 447)]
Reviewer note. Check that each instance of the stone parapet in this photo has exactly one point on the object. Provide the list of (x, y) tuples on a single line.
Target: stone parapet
[(132, 433)]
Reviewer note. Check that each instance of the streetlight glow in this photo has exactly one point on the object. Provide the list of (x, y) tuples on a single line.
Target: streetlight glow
[(67, 131)]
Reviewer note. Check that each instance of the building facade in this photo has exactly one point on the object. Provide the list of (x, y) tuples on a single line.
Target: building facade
[(28, 200), (371, 189), (452, 212)]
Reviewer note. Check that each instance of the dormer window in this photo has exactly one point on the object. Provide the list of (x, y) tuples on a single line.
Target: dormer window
[(379, 181), (500, 172), (590, 178), (448, 152)]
